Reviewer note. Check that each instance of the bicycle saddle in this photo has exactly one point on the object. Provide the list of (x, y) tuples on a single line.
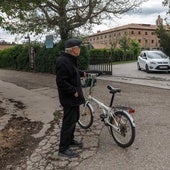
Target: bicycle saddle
[(113, 90)]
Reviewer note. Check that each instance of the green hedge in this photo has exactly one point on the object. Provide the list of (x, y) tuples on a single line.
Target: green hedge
[(103, 55), (83, 59), (45, 59), (17, 57)]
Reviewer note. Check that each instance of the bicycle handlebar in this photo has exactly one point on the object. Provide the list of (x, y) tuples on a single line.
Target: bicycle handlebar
[(94, 72)]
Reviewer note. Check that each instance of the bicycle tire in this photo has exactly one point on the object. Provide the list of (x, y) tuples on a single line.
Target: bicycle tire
[(119, 138), (86, 116)]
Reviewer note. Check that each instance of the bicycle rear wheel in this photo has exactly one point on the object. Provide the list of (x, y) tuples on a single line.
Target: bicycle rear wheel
[(126, 135), (86, 116)]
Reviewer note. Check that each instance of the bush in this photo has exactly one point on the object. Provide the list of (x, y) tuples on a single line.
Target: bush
[(21, 58), (83, 59), (104, 56), (45, 59), (99, 56), (11, 58)]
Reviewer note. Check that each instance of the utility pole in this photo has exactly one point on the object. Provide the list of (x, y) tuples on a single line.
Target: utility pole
[(29, 49)]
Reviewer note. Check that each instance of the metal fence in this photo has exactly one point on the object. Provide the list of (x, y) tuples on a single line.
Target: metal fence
[(101, 64)]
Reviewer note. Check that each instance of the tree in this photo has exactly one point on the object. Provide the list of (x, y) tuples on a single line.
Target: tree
[(113, 44), (167, 3), (61, 16), (124, 43), (164, 37), (130, 47), (134, 49)]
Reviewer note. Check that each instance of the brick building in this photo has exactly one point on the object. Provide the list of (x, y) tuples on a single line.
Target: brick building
[(5, 45), (143, 33)]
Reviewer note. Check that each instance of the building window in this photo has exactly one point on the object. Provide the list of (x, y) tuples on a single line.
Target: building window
[(101, 37), (139, 41), (105, 36), (139, 32), (146, 33), (152, 41), (132, 32)]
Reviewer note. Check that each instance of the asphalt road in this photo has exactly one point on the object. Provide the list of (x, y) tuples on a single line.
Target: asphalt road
[(130, 70), (151, 149), (128, 73)]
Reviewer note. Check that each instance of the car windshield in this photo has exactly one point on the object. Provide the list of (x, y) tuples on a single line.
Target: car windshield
[(156, 55)]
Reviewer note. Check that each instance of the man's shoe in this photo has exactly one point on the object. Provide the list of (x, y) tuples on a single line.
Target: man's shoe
[(68, 153), (75, 143)]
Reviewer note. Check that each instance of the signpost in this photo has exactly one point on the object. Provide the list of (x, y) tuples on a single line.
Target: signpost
[(49, 41)]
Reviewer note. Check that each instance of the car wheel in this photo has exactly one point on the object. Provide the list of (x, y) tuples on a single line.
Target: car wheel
[(138, 66), (147, 68)]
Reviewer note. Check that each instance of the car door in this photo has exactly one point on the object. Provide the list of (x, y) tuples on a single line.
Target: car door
[(143, 60)]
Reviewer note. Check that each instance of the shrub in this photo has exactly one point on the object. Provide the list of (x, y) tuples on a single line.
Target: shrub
[(83, 59), (45, 59)]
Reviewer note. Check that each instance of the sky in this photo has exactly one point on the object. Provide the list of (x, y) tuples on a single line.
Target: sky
[(147, 14)]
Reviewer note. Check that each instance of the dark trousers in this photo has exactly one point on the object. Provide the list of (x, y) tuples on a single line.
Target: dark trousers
[(70, 118)]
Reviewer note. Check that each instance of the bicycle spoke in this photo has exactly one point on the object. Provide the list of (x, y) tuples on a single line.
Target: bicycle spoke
[(125, 136), (86, 116)]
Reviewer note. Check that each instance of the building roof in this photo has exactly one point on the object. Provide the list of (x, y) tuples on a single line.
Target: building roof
[(128, 26)]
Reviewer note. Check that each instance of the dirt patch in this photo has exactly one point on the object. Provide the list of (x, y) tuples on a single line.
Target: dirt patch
[(17, 104), (2, 112), (9, 106), (16, 140)]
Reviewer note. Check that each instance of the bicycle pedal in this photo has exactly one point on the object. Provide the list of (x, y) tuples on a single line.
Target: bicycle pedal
[(103, 116), (106, 124)]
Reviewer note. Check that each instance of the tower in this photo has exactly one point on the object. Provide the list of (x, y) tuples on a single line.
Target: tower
[(159, 21)]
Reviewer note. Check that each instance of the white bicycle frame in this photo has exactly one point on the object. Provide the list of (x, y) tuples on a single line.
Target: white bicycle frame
[(108, 111)]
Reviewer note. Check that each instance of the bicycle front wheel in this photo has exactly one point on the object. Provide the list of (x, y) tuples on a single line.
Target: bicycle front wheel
[(126, 134), (86, 116)]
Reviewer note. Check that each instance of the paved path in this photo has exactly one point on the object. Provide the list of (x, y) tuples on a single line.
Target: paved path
[(150, 150), (41, 102)]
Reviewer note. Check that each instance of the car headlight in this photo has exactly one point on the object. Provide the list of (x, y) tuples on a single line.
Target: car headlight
[(152, 63)]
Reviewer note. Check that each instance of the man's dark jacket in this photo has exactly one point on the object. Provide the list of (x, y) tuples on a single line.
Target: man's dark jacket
[(68, 80)]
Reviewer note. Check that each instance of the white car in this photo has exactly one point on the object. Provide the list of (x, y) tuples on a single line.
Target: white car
[(153, 61)]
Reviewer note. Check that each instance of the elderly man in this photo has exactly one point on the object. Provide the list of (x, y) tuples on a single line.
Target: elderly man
[(70, 95)]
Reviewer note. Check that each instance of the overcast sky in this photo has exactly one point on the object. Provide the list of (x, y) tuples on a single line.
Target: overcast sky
[(147, 14)]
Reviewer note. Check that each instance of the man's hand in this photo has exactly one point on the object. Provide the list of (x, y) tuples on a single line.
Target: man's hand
[(85, 74), (76, 94)]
